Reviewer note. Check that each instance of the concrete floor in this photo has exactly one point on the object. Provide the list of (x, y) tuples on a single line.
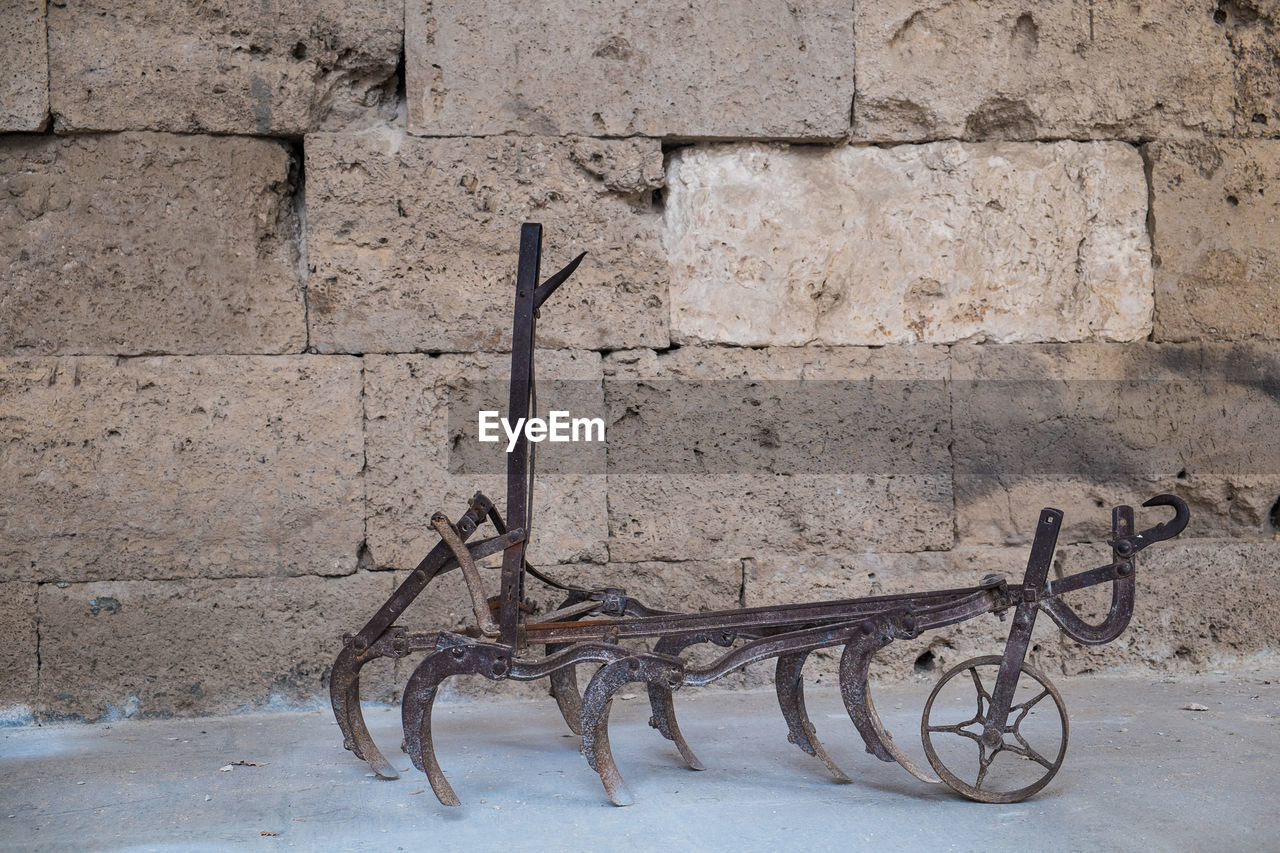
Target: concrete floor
[(1141, 773)]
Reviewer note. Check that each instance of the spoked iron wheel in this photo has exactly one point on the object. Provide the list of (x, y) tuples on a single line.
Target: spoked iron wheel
[(1000, 767)]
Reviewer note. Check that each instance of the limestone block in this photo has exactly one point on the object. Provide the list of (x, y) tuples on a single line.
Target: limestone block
[(222, 66), (1089, 426), (1253, 32), (140, 649), (686, 586), (144, 243), (778, 578), (1215, 231), (716, 453), (24, 67), (19, 661), (1017, 69), (179, 467), (754, 69), (423, 455), (1199, 605), (946, 242), (413, 242)]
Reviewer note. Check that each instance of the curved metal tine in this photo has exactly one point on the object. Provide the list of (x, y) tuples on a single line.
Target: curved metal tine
[(663, 719), (855, 664), (662, 702), (563, 683), (415, 711), (595, 727), (344, 696), (564, 689), (598, 700), (789, 682)]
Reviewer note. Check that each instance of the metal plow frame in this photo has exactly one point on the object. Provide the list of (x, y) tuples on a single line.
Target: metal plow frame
[(593, 627)]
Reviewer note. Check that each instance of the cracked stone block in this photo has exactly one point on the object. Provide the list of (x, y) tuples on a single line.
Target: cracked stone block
[(222, 66), (716, 453), (1253, 32), (136, 649), (24, 67), (19, 661), (1198, 605), (1087, 427), (413, 242), (1016, 69), (424, 456), (179, 467), (143, 243), (1215, 231), (940, 243), (648, 68)]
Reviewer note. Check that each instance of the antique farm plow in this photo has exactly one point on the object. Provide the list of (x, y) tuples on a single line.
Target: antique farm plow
[(1013, 722)]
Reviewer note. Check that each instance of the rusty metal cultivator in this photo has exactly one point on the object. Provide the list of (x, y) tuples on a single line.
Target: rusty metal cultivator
[(593, 627)]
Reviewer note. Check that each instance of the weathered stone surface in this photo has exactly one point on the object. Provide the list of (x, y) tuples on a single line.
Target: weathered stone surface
[(774, 578), (423, 454), (717, 453), (18, 654), (179, 467), (147, 243), (413, 243), (753, 69), (1215, 234), (1016, 69), (945, 242), (1253, 31), (1088, 426), (1198, 605), (686, 586), (157, 648), (24, 67), (222, 66)]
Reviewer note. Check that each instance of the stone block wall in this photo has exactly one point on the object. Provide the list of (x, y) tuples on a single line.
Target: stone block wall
[(867, 285)]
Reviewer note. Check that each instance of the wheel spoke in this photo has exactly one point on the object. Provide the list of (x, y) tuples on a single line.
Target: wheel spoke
[(962, 733), (956, 727), (977, 682), (1026, 706), (1027, 751), (1012, 728), (984, 762)]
